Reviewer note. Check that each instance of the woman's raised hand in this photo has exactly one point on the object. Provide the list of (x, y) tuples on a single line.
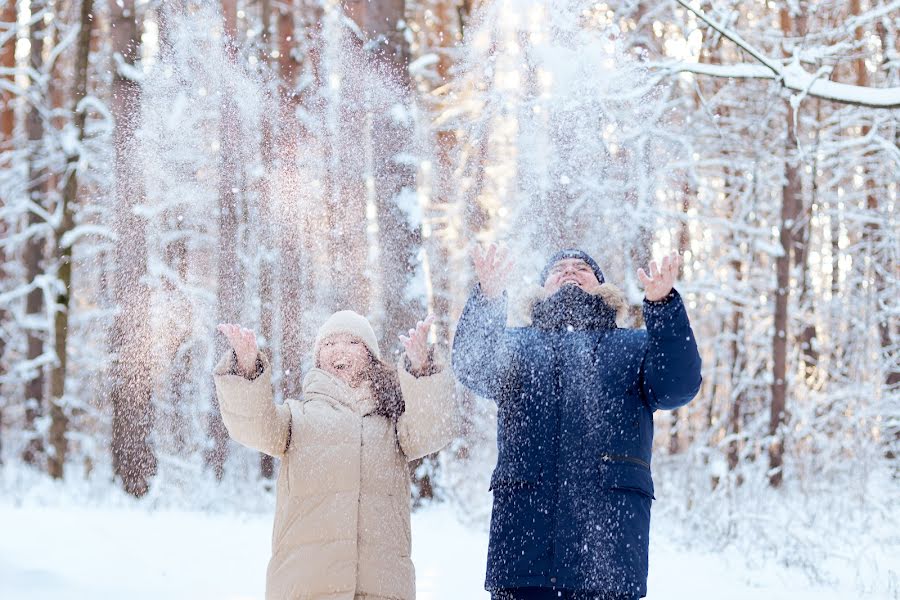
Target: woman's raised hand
[(492, 267), (243, 342), (416, 343)]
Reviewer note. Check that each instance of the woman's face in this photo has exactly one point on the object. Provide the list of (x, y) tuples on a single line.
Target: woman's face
[(345, 356)]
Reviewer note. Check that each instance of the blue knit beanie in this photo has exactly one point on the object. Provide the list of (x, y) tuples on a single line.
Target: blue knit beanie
[(572, 253)]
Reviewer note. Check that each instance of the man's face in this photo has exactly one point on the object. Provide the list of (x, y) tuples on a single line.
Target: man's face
[(571, 271)]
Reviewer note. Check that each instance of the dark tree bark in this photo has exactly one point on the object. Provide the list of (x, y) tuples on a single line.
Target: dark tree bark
[(345, 144), (888, 329), (7, 62), (679, 422), (294, 278), (398, 240), (737, 353), (59, 421), (134, 459), (808, 337), (7, 127), (791, 204), (180, 358), (873, 231), (229, 287), (881, 261), (35, 247), (443, 40), (266, 234)]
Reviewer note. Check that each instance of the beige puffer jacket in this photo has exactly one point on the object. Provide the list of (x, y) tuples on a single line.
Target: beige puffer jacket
[(342, 509)]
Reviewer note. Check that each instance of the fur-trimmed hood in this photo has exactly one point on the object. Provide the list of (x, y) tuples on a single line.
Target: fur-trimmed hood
[(522, 304)]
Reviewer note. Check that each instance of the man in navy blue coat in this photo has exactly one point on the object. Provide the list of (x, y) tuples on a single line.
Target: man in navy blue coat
[(576, 396)]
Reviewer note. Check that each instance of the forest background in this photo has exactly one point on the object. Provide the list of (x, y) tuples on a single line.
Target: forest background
[(166, 165)]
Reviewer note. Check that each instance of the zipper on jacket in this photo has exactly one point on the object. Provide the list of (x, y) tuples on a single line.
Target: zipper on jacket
[(557, 392), (607, 458)]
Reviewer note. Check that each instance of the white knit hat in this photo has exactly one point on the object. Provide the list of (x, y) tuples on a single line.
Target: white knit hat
[(347, 321)]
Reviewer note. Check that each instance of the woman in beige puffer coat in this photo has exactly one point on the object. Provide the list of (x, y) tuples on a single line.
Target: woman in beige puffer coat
[(342, 508)]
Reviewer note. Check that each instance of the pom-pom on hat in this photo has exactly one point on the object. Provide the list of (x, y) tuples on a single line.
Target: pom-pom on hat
[(347, 321)]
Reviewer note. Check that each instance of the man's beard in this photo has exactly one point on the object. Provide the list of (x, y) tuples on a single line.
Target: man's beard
[(573, 307)]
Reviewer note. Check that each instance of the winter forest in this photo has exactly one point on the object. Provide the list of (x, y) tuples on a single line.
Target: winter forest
[(168, 165)]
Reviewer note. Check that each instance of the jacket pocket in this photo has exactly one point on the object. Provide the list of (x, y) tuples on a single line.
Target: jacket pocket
[(625, 473)]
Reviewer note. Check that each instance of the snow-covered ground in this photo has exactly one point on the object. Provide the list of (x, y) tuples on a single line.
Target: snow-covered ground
[(74, 550)]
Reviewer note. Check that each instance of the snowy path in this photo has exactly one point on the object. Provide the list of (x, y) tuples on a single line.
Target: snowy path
[(117, 553)]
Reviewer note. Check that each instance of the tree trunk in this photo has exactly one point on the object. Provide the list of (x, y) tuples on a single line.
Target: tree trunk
[(779, 387), (266, 235), (178, 398), (541, 154), (836, 363), (36, 245), (294, 279), (229, 285), (347, 148), (873, 226), (738, 363), (394, 179), (873, 235), (888, 328), (807, 340), (640, 253), (59, 421), (790, 208), (442, 185), (737, 353), (134, 460), (679, 417), (7, 62), (395, 184), (444, 256), (7, 127)]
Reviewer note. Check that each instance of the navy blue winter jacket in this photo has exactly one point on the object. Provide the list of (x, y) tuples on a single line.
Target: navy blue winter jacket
[(572, 486)]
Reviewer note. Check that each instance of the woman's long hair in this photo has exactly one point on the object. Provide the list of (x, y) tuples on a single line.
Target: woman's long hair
[(386, 384), (385, 389)]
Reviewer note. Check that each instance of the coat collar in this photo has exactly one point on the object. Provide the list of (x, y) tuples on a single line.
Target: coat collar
[(522, 305), (322, 385), (573, 309)]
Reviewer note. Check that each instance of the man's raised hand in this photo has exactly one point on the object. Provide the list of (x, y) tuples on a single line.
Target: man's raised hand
[(661, 279), (492, 268)]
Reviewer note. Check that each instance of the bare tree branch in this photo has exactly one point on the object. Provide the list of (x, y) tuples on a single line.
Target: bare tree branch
[(792, 76)]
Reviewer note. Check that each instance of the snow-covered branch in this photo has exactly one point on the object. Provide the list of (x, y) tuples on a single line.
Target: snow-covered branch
[(791, 76), (126, 70), (70, 237), (64, 44)]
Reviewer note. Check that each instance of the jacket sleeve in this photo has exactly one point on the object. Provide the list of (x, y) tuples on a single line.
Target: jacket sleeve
[(481, 354), (430, 420), (248, 410), (670, 373)]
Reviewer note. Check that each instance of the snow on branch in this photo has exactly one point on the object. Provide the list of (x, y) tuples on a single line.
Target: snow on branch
[(61, 46), (792, 76), (126, 70), (73, 235), (872, 15)]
